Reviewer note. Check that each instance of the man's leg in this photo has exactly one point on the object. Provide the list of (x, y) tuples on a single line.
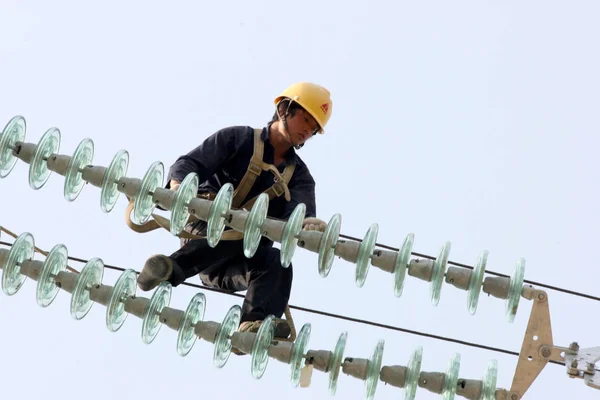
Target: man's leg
[(193, 257), (268, 286), (225, 267)]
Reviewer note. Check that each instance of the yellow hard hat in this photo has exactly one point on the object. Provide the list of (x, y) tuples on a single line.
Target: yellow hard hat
[(313, 98)]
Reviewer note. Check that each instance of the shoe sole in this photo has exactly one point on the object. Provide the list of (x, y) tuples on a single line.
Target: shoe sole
[(149, 279)]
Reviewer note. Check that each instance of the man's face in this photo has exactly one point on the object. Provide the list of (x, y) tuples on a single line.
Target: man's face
[(301, 126)]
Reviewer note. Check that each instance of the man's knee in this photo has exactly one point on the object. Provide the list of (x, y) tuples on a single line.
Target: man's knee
[(273, 260)]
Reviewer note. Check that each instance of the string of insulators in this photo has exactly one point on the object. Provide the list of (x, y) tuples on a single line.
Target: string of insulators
[(86, 289), (148, 193)]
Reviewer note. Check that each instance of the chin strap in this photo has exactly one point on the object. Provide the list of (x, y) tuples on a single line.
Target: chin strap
[(285, 125)]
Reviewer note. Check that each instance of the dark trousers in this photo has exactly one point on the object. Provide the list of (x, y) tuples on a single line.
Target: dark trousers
[(226, 267)]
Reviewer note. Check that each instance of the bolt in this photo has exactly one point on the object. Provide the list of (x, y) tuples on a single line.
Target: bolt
[(591, 367), (514, 397), (574, 346), (574, 364), (541, 296), (572, 374), (546, 352)]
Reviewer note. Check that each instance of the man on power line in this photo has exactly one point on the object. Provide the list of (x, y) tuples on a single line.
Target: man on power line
[(302, 111)]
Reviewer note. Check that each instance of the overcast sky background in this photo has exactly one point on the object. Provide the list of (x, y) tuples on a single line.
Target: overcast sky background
[(473, 122)]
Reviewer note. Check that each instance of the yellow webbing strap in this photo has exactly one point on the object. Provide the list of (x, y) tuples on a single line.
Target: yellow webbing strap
[(159, 221), (290, 321), (254, 170), (278, 188)]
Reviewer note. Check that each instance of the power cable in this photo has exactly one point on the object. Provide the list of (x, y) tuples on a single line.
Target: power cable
[(334, 315)]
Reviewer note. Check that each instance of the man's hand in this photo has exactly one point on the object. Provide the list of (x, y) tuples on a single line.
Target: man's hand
[(313, 224), (174, 185)]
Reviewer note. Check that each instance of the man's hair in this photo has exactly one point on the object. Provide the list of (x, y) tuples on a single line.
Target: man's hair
[(283, 106)]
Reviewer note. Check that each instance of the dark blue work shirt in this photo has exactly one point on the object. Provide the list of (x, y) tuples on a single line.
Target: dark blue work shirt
[(224, 157)]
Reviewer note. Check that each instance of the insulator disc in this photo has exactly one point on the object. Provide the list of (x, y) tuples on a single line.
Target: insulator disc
[(216, 216), (22, 249), (151, 323), (184, 194), (291, 230), (194, 313), (254, 222), (82, 157), (223, 338), (328, 243), (91, 275), (109, 193), (365, 251), (124, 288), (47, 289), (38, 167), (402, 260), (13, 132), (515, 290), (260, 348)]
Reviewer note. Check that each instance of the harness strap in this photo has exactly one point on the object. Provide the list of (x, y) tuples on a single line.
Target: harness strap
[(255, 168), (159, 221), (278, 188), (290, 321)]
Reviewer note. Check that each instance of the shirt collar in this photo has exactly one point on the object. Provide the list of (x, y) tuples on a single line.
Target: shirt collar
[(290, 155)]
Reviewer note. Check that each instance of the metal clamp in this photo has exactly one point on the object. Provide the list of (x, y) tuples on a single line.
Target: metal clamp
[(538, 349), (581, 363)]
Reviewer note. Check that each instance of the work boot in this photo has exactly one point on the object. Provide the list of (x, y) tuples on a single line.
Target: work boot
[(157, 269), (282, 331)]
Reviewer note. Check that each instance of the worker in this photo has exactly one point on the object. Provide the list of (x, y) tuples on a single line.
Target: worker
[(301, 111)]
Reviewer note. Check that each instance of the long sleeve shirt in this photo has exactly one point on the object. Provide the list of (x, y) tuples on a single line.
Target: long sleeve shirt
[(224, 157)]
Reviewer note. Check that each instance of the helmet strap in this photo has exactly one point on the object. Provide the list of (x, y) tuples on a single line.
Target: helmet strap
[(283, 120)]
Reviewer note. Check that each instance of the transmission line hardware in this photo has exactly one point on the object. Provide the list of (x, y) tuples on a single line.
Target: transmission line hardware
[(148, 193)]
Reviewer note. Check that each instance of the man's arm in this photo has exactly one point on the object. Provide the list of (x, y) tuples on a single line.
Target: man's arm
[(208, 157), (302, 190)]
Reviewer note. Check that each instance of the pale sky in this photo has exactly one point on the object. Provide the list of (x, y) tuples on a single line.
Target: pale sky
[(473, 122)]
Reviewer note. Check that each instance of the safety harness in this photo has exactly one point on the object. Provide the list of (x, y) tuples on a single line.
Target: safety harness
[(255, 169)]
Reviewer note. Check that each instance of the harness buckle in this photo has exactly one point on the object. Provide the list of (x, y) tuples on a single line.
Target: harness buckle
[(278, 188), (254, 168)]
